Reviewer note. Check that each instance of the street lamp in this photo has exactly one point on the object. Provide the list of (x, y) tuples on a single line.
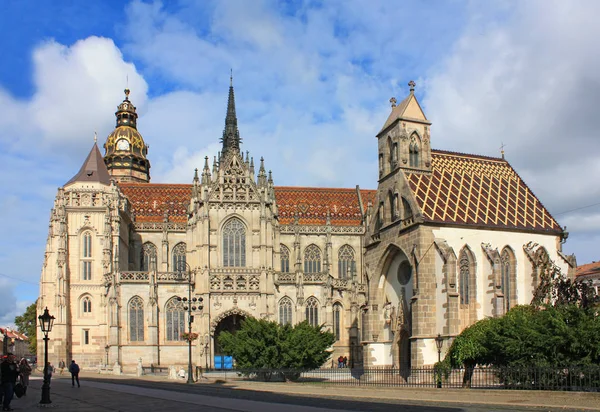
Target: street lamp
[(206, 354), (106, 349), (190, 305), (46, 323), (439, 341)]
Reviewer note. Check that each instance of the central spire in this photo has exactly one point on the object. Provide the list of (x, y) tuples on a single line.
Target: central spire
[(231, 135)]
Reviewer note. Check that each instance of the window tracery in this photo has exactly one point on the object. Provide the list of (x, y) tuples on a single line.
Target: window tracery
[(148, 258), (312, 311), (337, 321), (179, 257), (234, 243), (86, 256), (175, 318), (346, 262), (285, 258), (285, 311), (87, 305), (312, 259), (136, 319), (464, 277), (414, 160)]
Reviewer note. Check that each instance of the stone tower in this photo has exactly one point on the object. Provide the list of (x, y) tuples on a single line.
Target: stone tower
[(126, 151)]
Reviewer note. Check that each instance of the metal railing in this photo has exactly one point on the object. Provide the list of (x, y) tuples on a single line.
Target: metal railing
[(578, 378)]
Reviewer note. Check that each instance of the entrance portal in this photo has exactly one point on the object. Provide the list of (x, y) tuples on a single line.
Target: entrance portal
[(232, 324)]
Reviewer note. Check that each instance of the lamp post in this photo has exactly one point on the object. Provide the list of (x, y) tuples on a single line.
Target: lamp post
[(190, 306), (206, 354), (46, 321), (106, 349), (439, 341)]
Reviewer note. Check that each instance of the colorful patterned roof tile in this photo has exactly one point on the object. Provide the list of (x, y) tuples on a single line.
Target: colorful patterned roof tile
[(478, 190), (150, 202), (588, 270)]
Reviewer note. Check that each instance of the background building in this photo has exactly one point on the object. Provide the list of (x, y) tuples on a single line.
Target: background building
[(445, 239)]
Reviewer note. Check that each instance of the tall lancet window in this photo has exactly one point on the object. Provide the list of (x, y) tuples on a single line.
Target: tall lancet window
[(86, 256), (346, 263), (464, 277), (414, 160), (337, 321), (285, 258), (179, 264), (285, 311), (148, 258), (136, 319), (312, 311), (312, 259), (508, 281), (175, 319), (234, 243)]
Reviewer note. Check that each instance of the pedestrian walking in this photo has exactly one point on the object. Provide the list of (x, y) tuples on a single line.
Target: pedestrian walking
[(25, 371), (62, 365), (74, 369), (10, 372), (340, 361), (345, 361)]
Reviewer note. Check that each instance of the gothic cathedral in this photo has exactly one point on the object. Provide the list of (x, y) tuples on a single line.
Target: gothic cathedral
[(446, 239)]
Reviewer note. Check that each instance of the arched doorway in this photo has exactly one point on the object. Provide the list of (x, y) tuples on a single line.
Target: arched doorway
[(231, 323)]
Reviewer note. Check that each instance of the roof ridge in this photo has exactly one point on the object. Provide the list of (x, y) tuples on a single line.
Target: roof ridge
[(93, 169), (353, 189), (471, 155)]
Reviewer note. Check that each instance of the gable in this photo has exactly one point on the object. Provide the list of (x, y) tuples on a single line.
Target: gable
[(479, 191)]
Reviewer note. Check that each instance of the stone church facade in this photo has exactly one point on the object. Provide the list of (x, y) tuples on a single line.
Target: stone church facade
[(445, 239)]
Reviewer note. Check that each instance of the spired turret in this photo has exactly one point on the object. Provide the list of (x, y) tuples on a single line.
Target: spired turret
[(126, 151)]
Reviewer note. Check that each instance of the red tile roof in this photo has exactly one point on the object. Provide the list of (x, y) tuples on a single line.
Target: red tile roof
[(588, 269), (150, 201), (478, 190)]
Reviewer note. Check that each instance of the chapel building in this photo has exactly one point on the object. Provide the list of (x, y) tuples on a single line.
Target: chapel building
[(446, 239)]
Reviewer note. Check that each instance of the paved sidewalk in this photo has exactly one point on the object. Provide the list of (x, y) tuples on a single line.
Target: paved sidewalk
[(150, 393)]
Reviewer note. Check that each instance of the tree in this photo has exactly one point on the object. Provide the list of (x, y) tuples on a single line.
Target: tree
[(261, 344), (27, 324)]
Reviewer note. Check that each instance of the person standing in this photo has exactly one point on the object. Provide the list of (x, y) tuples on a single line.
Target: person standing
[(10, 372), (25, 371), (61, 366), (74, 369)]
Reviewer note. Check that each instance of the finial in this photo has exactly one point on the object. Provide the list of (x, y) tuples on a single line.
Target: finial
[(393, 101), (230, 77), (127, 91), (412, 85), (95, 137), (502, 150)]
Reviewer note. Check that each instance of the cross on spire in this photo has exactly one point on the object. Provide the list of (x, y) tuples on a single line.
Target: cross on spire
[(412, 85), (502, 145), (393, 101)]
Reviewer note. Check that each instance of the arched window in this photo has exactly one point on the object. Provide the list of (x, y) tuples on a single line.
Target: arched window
[(508, 280), (346, 263), (136, 319), (285, 258), (312, 259), (179, 257), (406, 211), (148, 258), (285, 311), (393, 211), (390, 154), (464, 277), (86, 256), (175, 319), (234, 243), (337, 321), (312, 311), (414, 160), (86, 305), (380, 164)]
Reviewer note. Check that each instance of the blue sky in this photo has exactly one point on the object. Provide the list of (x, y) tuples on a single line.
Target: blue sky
[(312, 81)]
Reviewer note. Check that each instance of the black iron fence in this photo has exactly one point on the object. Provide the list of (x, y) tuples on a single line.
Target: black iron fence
[(585, 379)]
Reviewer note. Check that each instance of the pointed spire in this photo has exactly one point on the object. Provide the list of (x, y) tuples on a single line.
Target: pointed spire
[(231, 135), (196, 180), (205, 172), (262, 175), (215, 169), (93, 169), (252, 167)]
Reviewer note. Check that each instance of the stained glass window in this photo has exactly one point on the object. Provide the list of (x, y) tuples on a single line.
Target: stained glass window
[(465, 272), (179, 257), (312, 311), (148, 261), (506, 277), (234, 243), (346, 262), (312, 259), (285, 258), (285, 311), (175, 320), (136, 319)]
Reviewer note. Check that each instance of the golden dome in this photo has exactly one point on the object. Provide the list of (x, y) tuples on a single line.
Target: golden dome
[(136, 144)]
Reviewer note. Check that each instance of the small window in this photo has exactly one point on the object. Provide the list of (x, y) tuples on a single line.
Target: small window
[(86, 336), (337, 321), (86, 256), (87, 305), (414, 160), (87, 270)]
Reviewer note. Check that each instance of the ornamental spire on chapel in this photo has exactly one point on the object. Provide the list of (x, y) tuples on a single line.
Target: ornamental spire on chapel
[(231, 135)]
